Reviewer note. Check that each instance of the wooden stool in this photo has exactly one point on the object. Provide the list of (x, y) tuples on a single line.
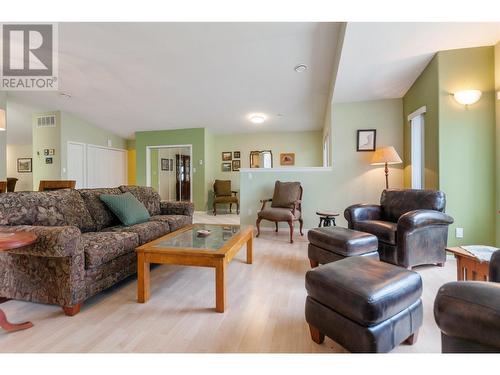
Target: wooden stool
[(327, 218)]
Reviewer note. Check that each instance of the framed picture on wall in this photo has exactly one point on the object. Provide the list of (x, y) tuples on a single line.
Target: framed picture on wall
[(237, 154), (226, 167), (236, 165), (366, 140), (227, 156), (165, 165), (287, 158), (25, 165)]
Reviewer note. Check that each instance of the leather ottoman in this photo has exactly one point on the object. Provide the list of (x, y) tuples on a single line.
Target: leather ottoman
[(329, 244), (365, 305)]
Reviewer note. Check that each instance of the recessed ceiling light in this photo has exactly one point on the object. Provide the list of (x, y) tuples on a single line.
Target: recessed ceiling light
[(257, 118), (301, 68)]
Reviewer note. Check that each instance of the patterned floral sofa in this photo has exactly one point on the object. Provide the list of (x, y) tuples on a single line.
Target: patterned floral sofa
[(82, 249)]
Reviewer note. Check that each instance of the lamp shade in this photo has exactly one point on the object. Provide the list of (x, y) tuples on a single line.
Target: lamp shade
[(3, 121), (467, 97), (385, 155)]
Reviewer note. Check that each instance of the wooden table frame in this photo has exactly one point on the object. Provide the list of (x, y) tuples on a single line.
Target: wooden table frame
[(468, 266), (218, 259)]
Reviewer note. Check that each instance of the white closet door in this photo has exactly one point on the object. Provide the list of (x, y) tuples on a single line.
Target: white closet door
[(76, 164), (106, 167)]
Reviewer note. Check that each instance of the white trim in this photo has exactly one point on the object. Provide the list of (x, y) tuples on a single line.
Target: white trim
[(418, 112), (148, 165), (289, 169), (105, 147), (85, 170)]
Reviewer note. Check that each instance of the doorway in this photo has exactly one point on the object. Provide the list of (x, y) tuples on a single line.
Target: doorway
[(417, 148), (169, 171)]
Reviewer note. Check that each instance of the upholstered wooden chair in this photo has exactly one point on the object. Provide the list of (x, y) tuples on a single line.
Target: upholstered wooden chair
[(224, 195), (46, 185), (286, 206), (11, 184)]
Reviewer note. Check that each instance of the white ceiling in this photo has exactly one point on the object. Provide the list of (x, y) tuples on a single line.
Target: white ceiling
[(126, 77), (382, 60)]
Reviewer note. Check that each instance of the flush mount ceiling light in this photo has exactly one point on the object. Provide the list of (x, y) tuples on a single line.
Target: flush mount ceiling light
[(300, 68), (257, 118), (467, 97)]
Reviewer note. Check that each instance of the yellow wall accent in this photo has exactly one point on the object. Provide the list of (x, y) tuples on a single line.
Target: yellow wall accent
[(131, 167)]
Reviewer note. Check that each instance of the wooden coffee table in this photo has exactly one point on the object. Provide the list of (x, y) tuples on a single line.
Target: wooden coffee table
[(10, 241), (468, 266), (184, 247)]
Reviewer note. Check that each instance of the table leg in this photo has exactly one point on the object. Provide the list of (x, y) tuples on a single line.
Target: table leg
[(250, 249), (143, 279), (334, 223), (220, 286), (320, 222), (12, 327)]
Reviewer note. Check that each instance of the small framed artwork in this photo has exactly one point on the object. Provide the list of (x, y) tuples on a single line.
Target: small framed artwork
[(25, 165), (46, 152), (227, 156), (165, 165), (48, 160), (287, 158), (366, 140), (226, 167), (237, 154), (52, 151), (236, 165)]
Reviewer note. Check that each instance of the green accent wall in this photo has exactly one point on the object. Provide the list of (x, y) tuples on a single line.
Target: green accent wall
[(194, 137), (154, 169), (424, 92), (497, 110), (467, 144)]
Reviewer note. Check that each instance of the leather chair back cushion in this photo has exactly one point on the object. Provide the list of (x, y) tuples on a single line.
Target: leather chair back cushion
[(222, 188), (285, 194), (47, 208), (146, 195), (398, 202)]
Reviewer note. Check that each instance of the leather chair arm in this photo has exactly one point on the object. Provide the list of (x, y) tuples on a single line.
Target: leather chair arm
[(495, 267), (360, 212), (469, 310), (422, 218)]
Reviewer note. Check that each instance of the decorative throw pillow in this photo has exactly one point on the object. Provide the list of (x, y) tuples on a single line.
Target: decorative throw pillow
[(126, 207)]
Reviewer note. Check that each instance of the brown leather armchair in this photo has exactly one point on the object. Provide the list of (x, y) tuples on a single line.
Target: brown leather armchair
[(286, 206), (224, 195), (411, 226), (468, 313)]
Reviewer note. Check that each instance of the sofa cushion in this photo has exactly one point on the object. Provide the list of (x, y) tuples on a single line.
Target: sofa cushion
[(147, 231), (146, 195), (126, 207), (364, 290), (174, 221), (343, 241), (46, 208), (384, 230), (285, 194), (396, 202), (278, 214), (102, 216), (101, 247)]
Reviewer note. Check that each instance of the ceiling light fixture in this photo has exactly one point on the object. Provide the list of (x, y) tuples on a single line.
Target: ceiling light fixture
[(257, 118), (300, 68), (467, 97)]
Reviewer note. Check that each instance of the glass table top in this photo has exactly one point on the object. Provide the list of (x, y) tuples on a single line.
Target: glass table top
[(218, 236)]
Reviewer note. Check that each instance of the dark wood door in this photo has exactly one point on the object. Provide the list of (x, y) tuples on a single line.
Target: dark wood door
[(183, 177)]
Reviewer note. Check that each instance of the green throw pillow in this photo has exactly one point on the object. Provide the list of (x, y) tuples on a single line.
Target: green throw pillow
[(126, 207)]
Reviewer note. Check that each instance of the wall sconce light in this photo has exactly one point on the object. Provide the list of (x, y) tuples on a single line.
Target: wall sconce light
[(3, 120), (467, 97)]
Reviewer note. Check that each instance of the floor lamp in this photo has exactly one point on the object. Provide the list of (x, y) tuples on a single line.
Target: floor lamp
[(385, 156)]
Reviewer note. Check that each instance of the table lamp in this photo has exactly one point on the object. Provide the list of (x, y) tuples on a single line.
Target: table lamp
[(385, 156)]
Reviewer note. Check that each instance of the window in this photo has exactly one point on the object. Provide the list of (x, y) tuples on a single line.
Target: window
[(326, 150)]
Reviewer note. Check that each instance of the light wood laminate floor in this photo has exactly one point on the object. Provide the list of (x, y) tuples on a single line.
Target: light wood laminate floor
[(265, 310)]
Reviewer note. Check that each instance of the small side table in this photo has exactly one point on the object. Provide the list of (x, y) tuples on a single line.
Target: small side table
[(327, 218), (468, 266), (9, 241)]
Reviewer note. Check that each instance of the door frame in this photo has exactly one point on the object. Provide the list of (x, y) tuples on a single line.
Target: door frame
[(84, 160), (420, 112), (148, 165)]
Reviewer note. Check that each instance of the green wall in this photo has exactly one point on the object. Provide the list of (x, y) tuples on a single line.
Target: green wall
[(194, 137), (3, 140), (467, 144), (424, 92), (497, 110), (351, 179), (154, 169)]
